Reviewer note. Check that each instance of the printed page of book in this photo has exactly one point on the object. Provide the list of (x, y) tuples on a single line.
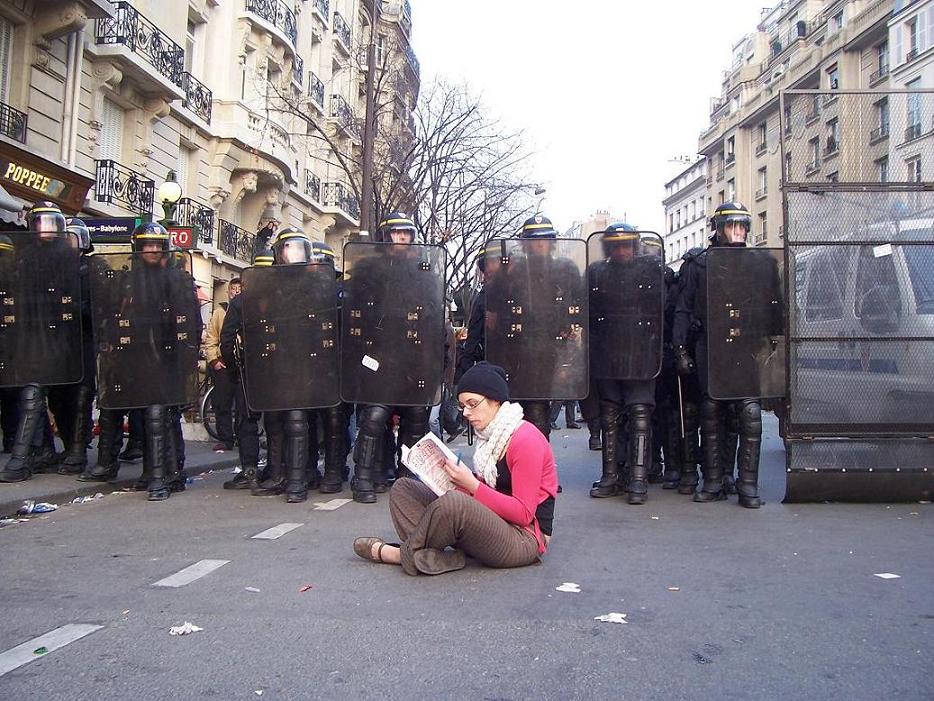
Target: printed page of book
[(426, 459)]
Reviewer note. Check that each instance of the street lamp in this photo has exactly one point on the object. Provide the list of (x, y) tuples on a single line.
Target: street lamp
[(170, 192)]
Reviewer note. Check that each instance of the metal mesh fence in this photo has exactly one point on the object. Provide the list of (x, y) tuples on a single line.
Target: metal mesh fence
[(882, 137)]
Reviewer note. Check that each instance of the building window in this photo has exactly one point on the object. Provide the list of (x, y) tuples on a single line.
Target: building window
[(914, 169), (883, 110), (911, 27), (762, 182), (110, 141), (814, 153), (788, 166), (836, 22), (882, 58), (833, 136), (183, 173), (883, 168), (671, 222), (731, 189), (833, 177), (6, 58), (833, 77), (763, 233)]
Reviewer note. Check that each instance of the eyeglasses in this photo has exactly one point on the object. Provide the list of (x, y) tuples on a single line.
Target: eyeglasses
[(473, 404)]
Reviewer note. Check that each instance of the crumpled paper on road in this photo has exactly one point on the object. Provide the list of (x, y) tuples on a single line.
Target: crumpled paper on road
[(184, 629), (611, 618)]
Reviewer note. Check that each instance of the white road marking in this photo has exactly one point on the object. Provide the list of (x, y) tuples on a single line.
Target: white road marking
[(53, 640), (888, 575), (277, 531), (330, 505), (190, 573)]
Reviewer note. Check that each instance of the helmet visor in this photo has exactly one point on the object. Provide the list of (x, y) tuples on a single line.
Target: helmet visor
[(296, 250)]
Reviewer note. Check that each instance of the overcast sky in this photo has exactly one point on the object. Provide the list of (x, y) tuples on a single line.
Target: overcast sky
[(607, 91)]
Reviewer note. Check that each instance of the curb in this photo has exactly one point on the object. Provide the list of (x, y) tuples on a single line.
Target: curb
[(62, 495)]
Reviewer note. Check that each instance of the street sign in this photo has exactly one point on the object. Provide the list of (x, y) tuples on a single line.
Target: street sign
[(112, 229), (182, 237)]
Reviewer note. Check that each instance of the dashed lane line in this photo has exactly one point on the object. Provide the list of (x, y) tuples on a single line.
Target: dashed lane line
[(53, 640), (277, 531), (190, 573)]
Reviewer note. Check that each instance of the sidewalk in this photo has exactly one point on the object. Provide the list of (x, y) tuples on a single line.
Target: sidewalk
[(62, 489)]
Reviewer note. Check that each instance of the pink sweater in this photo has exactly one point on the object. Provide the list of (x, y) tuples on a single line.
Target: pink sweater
[(534, 478)]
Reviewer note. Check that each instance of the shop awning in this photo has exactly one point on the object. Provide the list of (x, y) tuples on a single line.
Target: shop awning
[(11, 208)]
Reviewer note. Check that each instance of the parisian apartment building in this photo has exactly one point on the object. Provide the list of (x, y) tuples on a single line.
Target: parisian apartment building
[(685, 211), (878, 45), (256, 106)]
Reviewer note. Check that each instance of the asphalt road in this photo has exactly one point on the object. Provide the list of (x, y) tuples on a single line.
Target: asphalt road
[(720, 602)]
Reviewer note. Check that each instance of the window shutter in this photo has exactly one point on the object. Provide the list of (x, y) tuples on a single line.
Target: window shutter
[(110, 143)]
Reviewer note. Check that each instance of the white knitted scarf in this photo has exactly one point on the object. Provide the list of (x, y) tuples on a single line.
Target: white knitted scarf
[(492, 441)]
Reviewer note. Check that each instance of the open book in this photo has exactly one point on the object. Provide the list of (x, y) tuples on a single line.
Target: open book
[(426, 459)]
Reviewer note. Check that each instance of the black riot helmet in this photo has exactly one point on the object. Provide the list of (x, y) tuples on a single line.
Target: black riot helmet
[(619, 240), (538, 227), (396, 221), (46, 218), (321, 253), (728, 212), (150, 232), (80, 230), (6, 246), (264, 258), (292, 245)]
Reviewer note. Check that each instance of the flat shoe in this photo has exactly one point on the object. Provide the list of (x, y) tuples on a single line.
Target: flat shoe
[(364, 548)]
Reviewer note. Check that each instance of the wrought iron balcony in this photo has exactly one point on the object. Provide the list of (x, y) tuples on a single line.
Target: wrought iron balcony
[(312, 185), (298, 69), (323, 8), (812, 115), (278, 14), (812, 167), (913, 131), (192, 213), (762, 192), (13, 123), (342, 31), (341, 111), (130, 29), (117, 184), (197, 96), (878, 75), (879, 133), (338, 195), (316, 90), (911, 55), (234, 241)]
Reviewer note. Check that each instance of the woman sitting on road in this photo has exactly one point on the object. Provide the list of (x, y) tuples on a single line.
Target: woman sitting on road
[(502, 516)]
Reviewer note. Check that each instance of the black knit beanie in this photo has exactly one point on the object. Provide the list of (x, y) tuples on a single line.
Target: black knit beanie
[(486, 379)]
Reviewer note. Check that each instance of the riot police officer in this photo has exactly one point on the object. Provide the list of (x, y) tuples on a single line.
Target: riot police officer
[(371, 449), (33, 450), (71, 404), (731, 224), (148, 353), (625, 298), (248, 421)]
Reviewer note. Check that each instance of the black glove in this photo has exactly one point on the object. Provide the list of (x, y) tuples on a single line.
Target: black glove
[(683, 361)]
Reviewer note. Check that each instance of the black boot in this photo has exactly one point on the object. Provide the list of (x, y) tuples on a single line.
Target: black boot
[(750, 443), (75, 461), (272, 485), (20, 466), (609, 484), (155, 454), (296, 456), (366, 452), (673, 448), (335, 459), (639, 452), (690, 449), (594, 443), (712, 430)]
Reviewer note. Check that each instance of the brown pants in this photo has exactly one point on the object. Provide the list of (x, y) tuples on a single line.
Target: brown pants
[(424, 520)]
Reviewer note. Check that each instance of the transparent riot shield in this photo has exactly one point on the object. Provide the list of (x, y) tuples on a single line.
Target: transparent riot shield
[(745, 323), (40, 309), (626, 280), (290, 345), (536, 317), (392, 323), (146, 329)]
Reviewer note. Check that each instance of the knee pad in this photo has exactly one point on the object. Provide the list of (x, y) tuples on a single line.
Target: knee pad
[(749, 417)]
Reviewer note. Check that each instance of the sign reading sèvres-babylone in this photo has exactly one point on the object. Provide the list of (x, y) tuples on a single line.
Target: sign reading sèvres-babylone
[(33, 178)]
